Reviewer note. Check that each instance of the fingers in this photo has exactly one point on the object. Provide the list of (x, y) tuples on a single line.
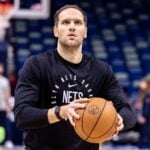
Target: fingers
[(72, 112), (82, 100), (73, 106), (110, 102), (78, 105), (70, 118), (120, 124)]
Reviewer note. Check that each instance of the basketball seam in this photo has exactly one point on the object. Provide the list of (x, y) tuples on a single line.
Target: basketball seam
[(82, 121), (95, 123), (108, 129)]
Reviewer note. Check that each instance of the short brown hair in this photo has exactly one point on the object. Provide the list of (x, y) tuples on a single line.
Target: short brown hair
[(56, 15)]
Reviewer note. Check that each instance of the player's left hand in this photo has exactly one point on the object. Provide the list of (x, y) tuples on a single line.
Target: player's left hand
[(120, 125)]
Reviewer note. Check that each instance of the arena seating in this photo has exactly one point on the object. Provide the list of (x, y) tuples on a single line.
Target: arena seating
[(118, 33)]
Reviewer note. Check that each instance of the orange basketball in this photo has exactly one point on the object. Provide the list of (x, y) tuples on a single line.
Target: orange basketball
[(97, 121)]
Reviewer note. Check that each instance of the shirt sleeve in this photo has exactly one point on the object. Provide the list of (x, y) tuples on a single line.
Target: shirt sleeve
[(27, 114), (115, 93)]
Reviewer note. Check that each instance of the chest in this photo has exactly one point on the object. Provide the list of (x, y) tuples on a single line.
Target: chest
[(68, 84)]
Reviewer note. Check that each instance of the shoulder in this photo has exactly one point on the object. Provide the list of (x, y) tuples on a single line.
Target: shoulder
[(44, 56), (35, 64), (97, 63), (38, 59)]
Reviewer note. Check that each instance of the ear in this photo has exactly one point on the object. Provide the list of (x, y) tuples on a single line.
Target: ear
[(85, 35), (55, 31)]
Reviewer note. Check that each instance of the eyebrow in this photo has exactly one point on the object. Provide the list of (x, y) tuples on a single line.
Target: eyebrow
[(68, 19)]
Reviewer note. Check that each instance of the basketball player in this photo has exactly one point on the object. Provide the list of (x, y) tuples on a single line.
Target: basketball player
[(54, 84)]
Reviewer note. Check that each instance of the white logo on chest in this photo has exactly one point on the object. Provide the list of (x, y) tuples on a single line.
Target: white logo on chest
[(70, 88), (71, 85)]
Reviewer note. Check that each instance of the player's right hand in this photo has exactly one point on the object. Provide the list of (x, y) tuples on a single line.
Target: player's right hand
[(69, 111)]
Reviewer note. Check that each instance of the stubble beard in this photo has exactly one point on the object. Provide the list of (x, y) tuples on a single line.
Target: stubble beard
[(67, 44)]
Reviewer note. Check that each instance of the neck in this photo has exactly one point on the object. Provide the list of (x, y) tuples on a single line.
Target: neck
[(71, 54)]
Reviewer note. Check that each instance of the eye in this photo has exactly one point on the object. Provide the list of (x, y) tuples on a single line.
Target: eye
[(78, 22), (65, 22)]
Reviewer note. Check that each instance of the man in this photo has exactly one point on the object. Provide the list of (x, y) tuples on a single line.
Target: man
[(54, 84)]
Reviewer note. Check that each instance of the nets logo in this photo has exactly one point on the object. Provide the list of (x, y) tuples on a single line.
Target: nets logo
[(69, 88)]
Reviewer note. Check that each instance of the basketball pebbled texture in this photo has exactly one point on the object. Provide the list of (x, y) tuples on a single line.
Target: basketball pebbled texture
[(97, 121)]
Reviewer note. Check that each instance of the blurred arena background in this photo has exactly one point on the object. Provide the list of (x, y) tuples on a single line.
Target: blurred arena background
[(118, 33)]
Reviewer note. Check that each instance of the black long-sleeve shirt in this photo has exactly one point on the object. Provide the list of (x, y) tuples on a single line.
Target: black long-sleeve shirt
[(47, 80)]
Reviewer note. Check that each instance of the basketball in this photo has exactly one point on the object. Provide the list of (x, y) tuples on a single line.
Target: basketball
[(97, 121)]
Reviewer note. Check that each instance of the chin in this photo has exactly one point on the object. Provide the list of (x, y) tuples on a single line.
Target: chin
[(73, 44)]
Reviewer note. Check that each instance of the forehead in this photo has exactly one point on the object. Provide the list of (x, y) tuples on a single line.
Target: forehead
[(70, 13)]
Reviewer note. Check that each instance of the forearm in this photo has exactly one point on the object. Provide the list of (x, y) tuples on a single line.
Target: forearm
[(30, 118), (33, 118), (67, 111), (52, 118)]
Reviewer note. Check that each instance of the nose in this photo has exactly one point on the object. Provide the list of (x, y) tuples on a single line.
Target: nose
[(72, 26)]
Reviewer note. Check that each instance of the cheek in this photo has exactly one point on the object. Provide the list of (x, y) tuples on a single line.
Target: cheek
[(61, 33), (83, 32)]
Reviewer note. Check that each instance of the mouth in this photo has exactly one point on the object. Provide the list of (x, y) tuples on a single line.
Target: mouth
[(71, 35)]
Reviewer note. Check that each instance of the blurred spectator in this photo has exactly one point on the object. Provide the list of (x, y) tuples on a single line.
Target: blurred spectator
[(5, 108), (13, 81), (143, 107)]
